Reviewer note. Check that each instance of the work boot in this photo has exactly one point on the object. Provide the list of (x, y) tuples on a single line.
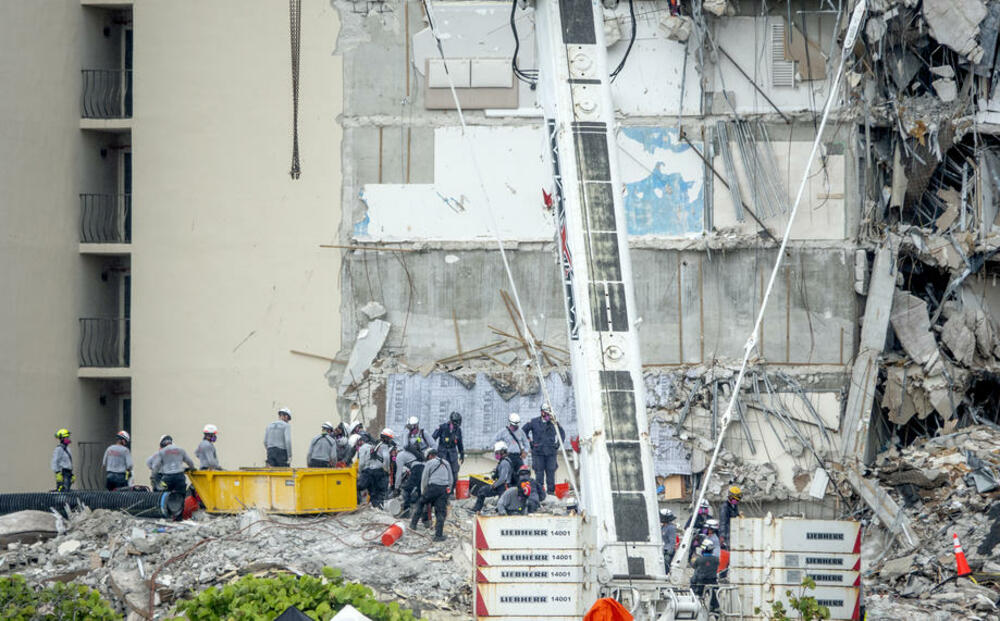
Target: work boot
[(439, 537), (480, 501)]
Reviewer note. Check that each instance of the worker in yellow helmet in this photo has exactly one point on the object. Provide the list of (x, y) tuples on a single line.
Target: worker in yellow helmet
[(62, 462), (729, 511)]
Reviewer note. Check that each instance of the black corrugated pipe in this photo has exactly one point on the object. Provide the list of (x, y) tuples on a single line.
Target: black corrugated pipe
[(139, 504)]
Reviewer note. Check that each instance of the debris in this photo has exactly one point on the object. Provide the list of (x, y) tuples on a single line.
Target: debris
[(27, 527), (955, 23), (68, 547), (373, 310), (366, 347), (911, 323), (676, 27), (717, 7), (946, 89)]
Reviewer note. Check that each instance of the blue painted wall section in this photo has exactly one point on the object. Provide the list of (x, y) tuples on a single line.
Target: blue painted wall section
[(670, 199)]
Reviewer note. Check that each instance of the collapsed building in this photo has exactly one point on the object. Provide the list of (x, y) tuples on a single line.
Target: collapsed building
[(881, 334)]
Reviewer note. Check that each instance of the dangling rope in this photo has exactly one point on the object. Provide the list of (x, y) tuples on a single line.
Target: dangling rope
[(295, 26)]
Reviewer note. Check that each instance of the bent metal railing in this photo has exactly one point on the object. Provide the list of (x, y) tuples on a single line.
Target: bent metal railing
[(106, 94), (104, 342), (106, 218)]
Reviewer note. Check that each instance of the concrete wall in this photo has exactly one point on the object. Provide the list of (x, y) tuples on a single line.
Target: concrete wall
[(227, 273), (695, 306), (46, 284)]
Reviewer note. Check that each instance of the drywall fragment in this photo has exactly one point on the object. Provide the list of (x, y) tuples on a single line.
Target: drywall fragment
[(912, 325), (366, 348), (875, 28), (894, 396), (676, 27), (944, 71), (955, 23), (959, 338), (373, 310), (899, 180), (941, 396), (946, 89), (612, 28), (953, 200), (811, 65), (819, 482)]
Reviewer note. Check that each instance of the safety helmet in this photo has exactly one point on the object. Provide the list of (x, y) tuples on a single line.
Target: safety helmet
[(165, 440), (500, 447), (431, 452), (387, 433), (666, 515), (514, 418), (62, 433), (712, 524), (455, 417), (123, 435), (412, 422), (286, 412), (735, 492), (707, 545), (354, 439), (525, 487), (327, 425), (210, 428), (545, 409), (524, 472)]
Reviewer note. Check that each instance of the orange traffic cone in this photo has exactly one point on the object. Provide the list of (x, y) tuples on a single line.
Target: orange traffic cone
[(961, 565)]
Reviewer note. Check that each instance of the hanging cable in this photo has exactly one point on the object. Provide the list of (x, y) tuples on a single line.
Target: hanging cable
[(631, 41), (295, 28), (530, 76)]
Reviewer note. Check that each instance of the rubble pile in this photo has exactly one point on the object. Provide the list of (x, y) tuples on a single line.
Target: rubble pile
[(131, 560), (946, 485)]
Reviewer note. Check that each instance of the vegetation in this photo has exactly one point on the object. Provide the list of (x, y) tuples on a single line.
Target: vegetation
[(800, 607), (58, 602), (252, 599)]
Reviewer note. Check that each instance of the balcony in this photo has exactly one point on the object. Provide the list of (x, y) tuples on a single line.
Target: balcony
[(105, 223), (106, 101), (104, 348)]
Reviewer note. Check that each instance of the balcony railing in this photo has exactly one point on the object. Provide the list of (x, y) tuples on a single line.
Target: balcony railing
[(104, 342), (106, 218), (107, 94)]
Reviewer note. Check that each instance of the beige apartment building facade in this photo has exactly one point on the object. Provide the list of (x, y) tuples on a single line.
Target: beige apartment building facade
[(159, 262)]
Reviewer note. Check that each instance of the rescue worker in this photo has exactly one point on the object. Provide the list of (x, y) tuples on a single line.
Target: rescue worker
[(517, 499), (374, 464), (729, 511), (435, 486), (340, 436), (706, 567), (409, 482), (323, 448), (62, 462), (207, 457), (354, 443), (117, 462), (668, 529), (541, 430), (171, 461), (700, 518), (501, 477), (513, 435), (712, 534), (414, 434), (449, 438), (278, 440), (156, 478)]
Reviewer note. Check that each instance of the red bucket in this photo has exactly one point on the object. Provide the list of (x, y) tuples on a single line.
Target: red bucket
[(561, 490), (462, 489), (392, 534)]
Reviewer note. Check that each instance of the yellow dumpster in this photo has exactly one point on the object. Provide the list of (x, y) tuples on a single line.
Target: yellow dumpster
[(278, 490)]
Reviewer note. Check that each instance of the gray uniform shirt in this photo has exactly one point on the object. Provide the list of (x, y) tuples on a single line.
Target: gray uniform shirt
[(503, 474), (367, 459), (170, 460), (207, 456), (323, 447), (512, 503), (425, 440), (512, 439), (61, 459), (404, 459), (279, 435), (117, 459), (436, 472)]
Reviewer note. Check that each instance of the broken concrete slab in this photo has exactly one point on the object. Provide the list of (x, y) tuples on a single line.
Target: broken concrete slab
[(912, 325), (959, 339), (366, 348), (946, 89), (27, 527), (885, 508), (897, 567), (955, 23), (676, 27)]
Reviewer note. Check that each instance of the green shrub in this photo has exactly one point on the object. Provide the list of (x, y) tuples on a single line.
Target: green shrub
[(802, 607), (58, 602), (252, 598)]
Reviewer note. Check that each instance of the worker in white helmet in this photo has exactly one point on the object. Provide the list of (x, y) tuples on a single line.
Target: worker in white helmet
[(278, 440), (207, 457), (374, 466), (502, 477), (323, 448), (416, 438), (118, 462), (516, 440)]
